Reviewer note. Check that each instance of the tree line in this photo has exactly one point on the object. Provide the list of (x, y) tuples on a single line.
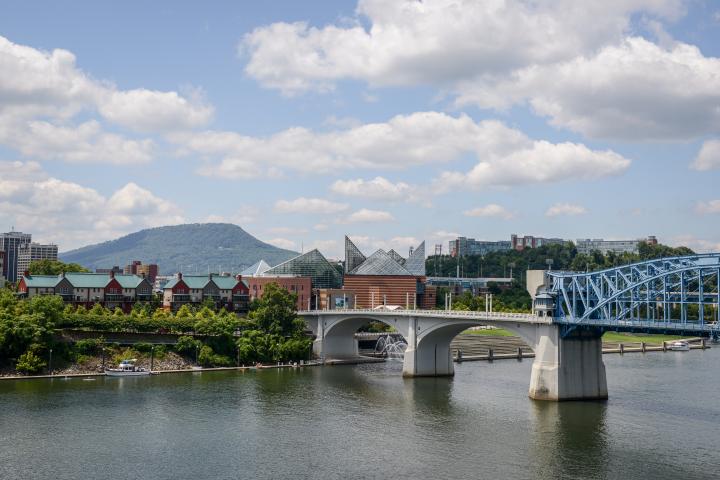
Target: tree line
[(272, 331)]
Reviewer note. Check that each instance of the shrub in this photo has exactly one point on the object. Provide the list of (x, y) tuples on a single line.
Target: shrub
[(143, 347), (187, 345), (29, 363), (89, 346)]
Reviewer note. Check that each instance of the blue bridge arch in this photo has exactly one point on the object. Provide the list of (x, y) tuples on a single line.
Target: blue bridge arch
[(672, 294)]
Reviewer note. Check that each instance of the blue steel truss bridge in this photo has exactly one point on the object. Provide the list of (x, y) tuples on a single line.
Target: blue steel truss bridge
[(666, 295)]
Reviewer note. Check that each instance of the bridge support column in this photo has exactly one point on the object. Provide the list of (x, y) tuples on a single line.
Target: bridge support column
[(429, 355), (569, 368)]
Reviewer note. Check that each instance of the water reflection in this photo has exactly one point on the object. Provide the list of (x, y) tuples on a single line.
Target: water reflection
[(569, 439)]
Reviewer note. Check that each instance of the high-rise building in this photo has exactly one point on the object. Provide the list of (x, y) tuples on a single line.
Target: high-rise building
[(2, 261), (138, 268), (150, 271), (31, 252), (9, 243), (463, 246), (131, 269)]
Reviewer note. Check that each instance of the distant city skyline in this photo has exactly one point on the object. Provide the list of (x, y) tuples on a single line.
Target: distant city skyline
[(391, 122)]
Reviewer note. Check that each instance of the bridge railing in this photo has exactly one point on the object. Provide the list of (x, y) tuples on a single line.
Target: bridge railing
[(436, 313)]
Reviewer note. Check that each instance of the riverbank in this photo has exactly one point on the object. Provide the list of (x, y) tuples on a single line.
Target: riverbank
[(484, 346), (189, 369)]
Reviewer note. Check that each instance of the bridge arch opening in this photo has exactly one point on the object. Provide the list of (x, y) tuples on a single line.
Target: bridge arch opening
[(339, 340)]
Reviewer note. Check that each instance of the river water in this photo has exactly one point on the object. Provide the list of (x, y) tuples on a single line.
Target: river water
[(346, 422)]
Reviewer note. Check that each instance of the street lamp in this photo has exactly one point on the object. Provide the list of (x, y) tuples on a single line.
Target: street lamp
[(50, 363), (549, 262), (152, 357), (197, 348)]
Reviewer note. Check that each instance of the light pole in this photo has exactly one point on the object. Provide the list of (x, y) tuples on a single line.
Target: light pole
[(152, 357), (549, 262), (197, 348), (511, 265), (50, 363)]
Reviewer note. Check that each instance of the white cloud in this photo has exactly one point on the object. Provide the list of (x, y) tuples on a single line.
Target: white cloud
[(42, 94), (287, 230), (537, 162), (83, 143), (243, 215), (369, 244), (148, 110), (507, 156), (635, 90), (709, 207), (365, 215), (320, 227), (409, 42), (573, 62), (565, 209), (709, 156), (328, 248), (700, 245), (378, 188), (490, 210), (282, 243), (72, 215), (310, 205)]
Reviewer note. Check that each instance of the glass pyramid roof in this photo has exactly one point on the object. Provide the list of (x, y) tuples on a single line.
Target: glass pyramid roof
[(311, 264), (380, 263), (415, 263), (353, 256)]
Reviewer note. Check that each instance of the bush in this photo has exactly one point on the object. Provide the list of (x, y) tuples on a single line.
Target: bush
[(208, 358), (187, 345), (89, 346), (29, 363), (143, 347)]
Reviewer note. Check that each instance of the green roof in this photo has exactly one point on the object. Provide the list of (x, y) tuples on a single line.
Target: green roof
[(201, 281), (225, 283), (42, 281), (82, 280), (88, 280)]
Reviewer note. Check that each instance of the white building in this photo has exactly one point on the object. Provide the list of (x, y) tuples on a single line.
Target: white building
[(30, 252), (586, 246)]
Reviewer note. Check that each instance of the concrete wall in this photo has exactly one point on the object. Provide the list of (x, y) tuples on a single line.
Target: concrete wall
[(533, 279)]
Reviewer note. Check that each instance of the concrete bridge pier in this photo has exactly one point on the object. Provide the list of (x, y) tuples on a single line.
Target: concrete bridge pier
[(569, 368), (428, 353)]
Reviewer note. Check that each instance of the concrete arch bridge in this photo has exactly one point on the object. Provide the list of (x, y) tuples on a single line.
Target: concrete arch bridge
[(571, 310)]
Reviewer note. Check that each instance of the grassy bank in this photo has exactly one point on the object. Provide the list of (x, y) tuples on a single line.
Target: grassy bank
[(608, 337)]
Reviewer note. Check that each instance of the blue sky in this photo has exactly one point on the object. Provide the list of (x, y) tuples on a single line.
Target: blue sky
[(393, 122)]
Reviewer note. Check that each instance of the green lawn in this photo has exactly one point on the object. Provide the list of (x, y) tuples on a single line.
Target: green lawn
[(617, 337), (494, 332), (609, 337)]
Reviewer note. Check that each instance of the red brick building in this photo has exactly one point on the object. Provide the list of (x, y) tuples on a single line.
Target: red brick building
[(301, 286)]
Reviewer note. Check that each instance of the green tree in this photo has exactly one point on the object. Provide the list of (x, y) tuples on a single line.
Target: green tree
[(54, 267), (29, 363), (275, 312)]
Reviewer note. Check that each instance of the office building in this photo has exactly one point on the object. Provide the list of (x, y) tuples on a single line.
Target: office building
[(529, 241), (463, 246), (10, 243), (31, 252)]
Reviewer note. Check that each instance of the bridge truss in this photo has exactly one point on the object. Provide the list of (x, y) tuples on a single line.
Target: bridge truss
[(671, 294)]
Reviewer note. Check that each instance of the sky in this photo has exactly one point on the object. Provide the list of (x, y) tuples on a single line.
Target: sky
[(390, 121)]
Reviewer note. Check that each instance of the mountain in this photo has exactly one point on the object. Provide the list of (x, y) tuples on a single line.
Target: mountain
[(190, 248)]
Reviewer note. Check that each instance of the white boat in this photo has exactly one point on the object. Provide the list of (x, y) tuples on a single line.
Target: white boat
[(126, 368), (679, 346)]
